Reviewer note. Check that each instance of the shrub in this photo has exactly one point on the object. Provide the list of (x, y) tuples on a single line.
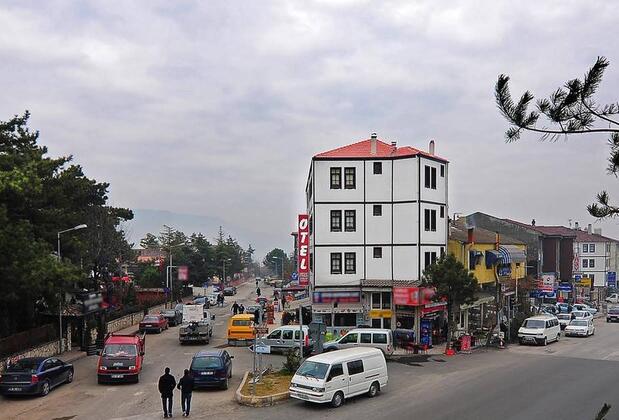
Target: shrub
[(293, 361)]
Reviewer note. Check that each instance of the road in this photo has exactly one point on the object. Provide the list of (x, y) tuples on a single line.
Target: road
[(566, 380)]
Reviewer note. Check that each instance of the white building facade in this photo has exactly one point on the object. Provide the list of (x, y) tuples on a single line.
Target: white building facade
[(595, 256), (378, 217)]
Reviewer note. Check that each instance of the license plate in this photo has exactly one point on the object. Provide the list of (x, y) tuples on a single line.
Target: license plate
[(529, 338), (14, 389), (148, 326), (118, 376), (207, 373), (303, 396)]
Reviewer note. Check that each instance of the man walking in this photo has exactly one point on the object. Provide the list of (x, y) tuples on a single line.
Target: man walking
[(241, 309), (235, 308), (186, 384), (166, 388)]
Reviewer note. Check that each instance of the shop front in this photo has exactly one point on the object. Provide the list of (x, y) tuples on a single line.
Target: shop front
[(339, 310), (410, 304)]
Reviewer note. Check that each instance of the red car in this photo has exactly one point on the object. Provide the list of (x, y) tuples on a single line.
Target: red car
[(153, 323)]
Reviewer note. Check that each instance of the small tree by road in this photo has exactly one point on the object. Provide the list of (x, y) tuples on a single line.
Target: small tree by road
[(453, 283)]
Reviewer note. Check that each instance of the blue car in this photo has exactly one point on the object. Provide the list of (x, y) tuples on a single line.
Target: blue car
[(35, 376), (211, 368)]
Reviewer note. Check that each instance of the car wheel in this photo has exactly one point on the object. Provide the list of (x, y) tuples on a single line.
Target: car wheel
[(159, 331), (45, 388), (226, 384), (337, 399), (70, 377), (558, 335), (374, 388), (545, 342)]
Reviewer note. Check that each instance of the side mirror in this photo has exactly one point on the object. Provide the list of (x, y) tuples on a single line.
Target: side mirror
[(232, 357)]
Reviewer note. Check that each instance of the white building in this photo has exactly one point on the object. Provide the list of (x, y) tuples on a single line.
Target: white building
[(594, 256), (378, 217)]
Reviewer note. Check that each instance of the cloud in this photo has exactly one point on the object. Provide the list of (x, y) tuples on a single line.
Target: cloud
[(215, 108)]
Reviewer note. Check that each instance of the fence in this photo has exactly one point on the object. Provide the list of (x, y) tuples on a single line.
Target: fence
[(27, 339)]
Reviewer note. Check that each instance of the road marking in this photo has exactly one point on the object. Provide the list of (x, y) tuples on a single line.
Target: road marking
[(137, 394)]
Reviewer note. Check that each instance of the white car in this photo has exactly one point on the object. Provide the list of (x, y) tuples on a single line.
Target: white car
[(580, 327), (582, 315), (540, 329), (564, 320), (583, 307), (614, 298)]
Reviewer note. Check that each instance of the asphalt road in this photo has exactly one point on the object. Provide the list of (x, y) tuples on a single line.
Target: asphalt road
[(566, 380)]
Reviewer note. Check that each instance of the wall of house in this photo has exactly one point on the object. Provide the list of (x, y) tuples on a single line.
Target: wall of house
[(599, 256)]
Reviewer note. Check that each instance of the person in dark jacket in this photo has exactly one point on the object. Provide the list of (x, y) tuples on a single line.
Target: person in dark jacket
[(241, 309), (186, 384), (166, 388), (235, 308)]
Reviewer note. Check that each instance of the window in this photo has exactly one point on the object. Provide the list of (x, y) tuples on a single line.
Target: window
[(377, 210), (349, 339), (585, 248), (378, 252), (591, 247), (429, 220), (336, 263), (366, 338), (336, 178), (379, 338), (442, 212), (311, 262), (350, 220), (336, 220), (430, 258), (311, 225), (607, 247), (349, 178), (585, 263), (443, 252), (350, 262), (387, 323), (376, 300), (296, 334), (376, 323), (592, 277), (442, 171), (336, 370), (287, 335), (355, 367), (386, 298), (381, 300), (378, 168), (275, 334), (430, 177), (591, 263)]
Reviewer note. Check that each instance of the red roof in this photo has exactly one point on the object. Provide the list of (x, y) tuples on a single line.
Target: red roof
[(363, 149), (581, 235)]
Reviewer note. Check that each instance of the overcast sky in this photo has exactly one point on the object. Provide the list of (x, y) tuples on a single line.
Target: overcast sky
[(215, 108)]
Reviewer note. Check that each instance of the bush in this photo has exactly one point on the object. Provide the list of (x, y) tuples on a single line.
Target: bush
[(293, 361)]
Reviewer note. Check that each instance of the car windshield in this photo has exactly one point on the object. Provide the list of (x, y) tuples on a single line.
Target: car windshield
[(613, 311), (28, 365), (241, 322), (208, 362), (150, 319), (120, 350), (313, 369), (169, 313), (578, 314), (534, 323), (579, 323)]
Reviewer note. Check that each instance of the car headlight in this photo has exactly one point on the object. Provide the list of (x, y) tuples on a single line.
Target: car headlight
[(131, 367), (293, 385), (318, 389), (103, 368)]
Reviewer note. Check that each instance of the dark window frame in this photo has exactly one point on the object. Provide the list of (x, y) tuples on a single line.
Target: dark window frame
[(350, 257), (378, 207), (378, 168), (429, 220), (378, 254), (335, 178), (352, 172), (336, 263), (348, 216), (336, 215)]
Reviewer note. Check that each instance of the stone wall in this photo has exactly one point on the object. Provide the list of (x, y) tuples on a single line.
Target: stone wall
[(44, 350)]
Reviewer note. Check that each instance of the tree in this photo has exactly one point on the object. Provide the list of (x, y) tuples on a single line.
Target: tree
[(452, 282), (150, 241), (277, 260), (570, 110)]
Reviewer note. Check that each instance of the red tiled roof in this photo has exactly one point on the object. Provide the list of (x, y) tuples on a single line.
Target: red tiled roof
[(581, 235), (363, 149)]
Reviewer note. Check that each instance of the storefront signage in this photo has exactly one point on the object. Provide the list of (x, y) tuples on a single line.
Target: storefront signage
[(303, 257), (412, 296), (611, 279), (381, 313), (183, 273), (584, 282), (339, 297), (434, 307), (330, 309)]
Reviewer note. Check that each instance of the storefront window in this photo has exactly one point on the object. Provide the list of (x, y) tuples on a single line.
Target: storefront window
[(375, 322), (387, 323), (386, 296), (375, 300), (345, 320)]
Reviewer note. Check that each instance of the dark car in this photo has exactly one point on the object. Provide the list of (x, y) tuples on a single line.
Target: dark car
[(35, 376), (173, 316), (212, 368), (230, 291)]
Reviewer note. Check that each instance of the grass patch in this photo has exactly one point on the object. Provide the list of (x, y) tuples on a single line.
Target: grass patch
[(272, 383)]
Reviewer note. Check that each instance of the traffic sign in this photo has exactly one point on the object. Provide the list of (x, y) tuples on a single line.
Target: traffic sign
[(294, 276), (263, 349)]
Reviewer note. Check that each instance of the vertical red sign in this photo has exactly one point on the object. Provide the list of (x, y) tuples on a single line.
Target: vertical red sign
[(183, 273), (303, 257)]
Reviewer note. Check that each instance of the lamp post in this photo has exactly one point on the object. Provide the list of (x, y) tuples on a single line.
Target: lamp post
[(223, 266), (281, 261), (78, 227)]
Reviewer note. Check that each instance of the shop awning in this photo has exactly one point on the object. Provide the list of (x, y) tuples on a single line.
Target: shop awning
[(479, 301), (512, 254), (294, 304), (493, 257)]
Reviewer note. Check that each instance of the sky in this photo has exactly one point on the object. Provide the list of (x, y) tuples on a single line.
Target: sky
[(214, 109)]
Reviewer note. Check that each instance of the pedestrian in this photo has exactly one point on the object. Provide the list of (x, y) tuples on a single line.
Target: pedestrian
[(235, 308), (241, 309), (257, 316), (166, 388), (186, 384), (258, 291)]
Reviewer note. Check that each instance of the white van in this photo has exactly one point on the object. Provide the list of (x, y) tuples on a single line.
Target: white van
[(363, 337), (539, 329), (332, 377)]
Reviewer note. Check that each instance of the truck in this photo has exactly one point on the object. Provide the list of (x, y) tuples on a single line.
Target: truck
[(197, 326), (121, 359)]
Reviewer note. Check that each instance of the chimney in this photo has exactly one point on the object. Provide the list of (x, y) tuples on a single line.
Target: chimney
[(576, 226), (393, 144), (533, 222), (373, 142), (431, 151), (589, 230), (471, 236), (497, 241)]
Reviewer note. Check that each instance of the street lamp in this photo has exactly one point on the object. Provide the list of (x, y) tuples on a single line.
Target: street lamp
[(281, 261), (78, 227), (223, 265)]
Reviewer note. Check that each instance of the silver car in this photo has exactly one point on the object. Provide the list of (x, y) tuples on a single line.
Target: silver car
[(381, 339)]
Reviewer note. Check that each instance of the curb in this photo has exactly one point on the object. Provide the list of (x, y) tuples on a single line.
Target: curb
[(255, 401)]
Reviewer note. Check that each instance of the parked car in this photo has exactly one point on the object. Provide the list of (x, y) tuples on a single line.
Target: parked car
[(585, 307), (202, 301), (580, 327), (581, 315), (35, 376), (332, 377), (211, 368), (230, 291), (361, 337), (287, 338), (564, 320), (549, 308), (241, 329), (173, 316), (564, 308), (613, 314), (539, 329), (156, 323)]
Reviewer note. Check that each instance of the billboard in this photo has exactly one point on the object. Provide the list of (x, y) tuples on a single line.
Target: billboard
[(303, 257), (412, 296), (183, 273)]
